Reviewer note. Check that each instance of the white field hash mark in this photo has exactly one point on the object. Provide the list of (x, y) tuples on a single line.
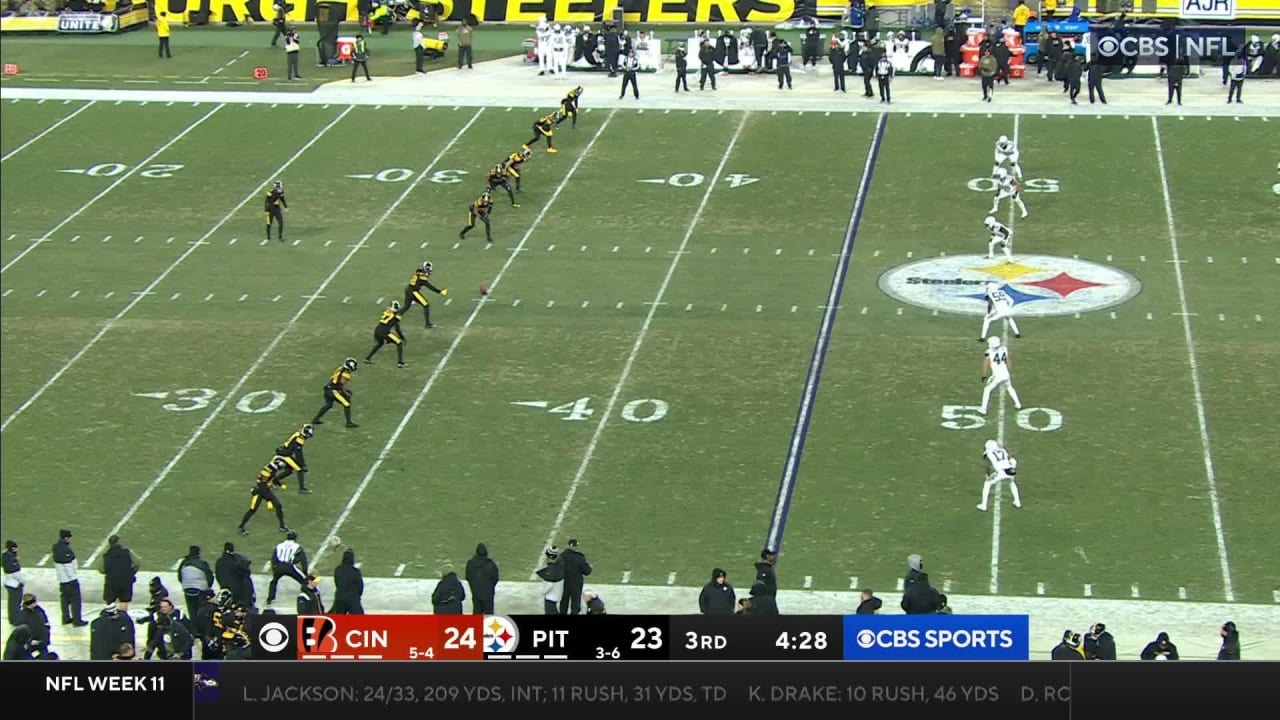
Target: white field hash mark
[(791, 465), (589, 453), (1211, 478), (114, 184), (165, 273), (1000, 414), (46, 131), (385, 452), (275, 342)]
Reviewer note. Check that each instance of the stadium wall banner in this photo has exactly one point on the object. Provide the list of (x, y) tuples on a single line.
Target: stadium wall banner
[(526, 11), (81, 23)]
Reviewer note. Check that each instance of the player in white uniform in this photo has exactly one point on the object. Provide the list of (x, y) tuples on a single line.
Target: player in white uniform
[(1007, 152), (559, 54), (1007, 187), (1001, 236), (544, 45), (995, 372), (1000, 466), (999, 307)]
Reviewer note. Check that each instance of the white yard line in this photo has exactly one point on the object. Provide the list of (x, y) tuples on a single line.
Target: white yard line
[(275, 342), (999, 489), (1215, 503), (385, 452), (139, 296), (47, 130), (635, 346), (116, 183)]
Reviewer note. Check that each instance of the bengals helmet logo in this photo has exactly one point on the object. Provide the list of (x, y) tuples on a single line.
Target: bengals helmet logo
[(319, 634)]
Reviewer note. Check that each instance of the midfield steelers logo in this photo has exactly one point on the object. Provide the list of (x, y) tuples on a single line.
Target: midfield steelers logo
[(500, 635), (1040, 285)]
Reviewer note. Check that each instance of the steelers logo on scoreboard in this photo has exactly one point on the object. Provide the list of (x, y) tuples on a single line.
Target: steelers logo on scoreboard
[(500, 635)]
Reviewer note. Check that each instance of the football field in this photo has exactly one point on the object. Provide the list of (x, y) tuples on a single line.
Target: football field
[(707, 332)]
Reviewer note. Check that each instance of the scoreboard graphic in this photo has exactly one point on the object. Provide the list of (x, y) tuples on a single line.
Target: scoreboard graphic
[(640, 637)]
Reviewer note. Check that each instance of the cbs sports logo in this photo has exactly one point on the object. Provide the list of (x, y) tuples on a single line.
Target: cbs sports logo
[(934, 639)]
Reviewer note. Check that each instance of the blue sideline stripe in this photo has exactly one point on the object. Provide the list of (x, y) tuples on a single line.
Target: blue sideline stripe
[(786, 488)]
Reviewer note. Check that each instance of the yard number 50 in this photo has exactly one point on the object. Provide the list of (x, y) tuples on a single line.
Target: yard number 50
[(970, 417)]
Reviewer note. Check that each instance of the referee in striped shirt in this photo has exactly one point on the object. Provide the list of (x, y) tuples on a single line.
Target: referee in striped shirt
[(288, 560)]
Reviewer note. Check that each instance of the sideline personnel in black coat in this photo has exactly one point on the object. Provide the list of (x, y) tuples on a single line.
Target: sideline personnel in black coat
[(1099, 644), (867, 64), (1097, 71), (235, 575), (576, 569), (707, 59), (348, 586), (1176, 71), (836, 57), (448, 595), (482, 578), (718, 597)]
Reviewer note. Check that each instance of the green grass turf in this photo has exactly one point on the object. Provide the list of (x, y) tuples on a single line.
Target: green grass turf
[(1116, 497)]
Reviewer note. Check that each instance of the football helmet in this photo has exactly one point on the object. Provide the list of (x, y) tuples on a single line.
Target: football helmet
[(992, 287), (308, 430), (277, 463), (1003, 140), (426, 267), (350, 364), (990, 221), (395, 306), (525, 152), (991, 446), (993, 342)]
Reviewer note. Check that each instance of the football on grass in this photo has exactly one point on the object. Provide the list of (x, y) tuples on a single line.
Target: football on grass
[(484, 289)]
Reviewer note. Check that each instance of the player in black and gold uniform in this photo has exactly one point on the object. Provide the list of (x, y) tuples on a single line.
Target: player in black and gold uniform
[(295, 460), (544, 128), (414, 293), (479, 210), (274, 206), (513, 162), (388, 331), (497, 178), (336, 391), (264, 492), (569, 107)]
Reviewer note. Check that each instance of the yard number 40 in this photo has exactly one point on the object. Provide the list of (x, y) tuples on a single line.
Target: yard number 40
[(970, 417)]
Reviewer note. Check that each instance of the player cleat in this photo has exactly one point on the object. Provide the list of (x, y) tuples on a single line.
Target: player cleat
[(352, 425), (983, 508), (317, 421), (242, 531), (515, 205), (304, 491), (1017, 504), (401, 365), (553, 150), (285, 529), (1018, 335)]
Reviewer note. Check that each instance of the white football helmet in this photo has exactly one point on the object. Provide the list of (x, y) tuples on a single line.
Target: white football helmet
[(990, 221), (992, 446), (1000, 172), (993, 342), (556, 27), (1004, 140), (992, 287)]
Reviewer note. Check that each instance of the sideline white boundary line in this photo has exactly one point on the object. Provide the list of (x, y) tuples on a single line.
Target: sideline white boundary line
[(275, 342), (1215, 504), (116, 183), (635, 346), (140, 295), (48, 130), (385, 452)]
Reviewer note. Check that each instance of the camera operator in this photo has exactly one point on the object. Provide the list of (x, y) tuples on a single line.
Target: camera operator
[(292, 46)]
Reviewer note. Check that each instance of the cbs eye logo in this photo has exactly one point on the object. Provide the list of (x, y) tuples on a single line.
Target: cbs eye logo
[(866, 639), (273, 637)]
